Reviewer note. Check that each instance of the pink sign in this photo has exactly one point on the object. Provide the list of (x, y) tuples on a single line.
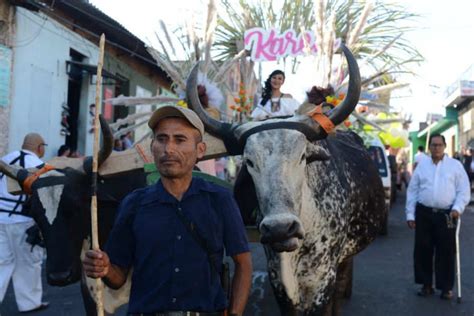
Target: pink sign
[(269, 45)]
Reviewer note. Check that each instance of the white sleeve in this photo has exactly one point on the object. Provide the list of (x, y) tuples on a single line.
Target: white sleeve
[(412, 195)]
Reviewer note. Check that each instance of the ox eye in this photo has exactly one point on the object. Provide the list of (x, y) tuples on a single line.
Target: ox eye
[(249, 163)]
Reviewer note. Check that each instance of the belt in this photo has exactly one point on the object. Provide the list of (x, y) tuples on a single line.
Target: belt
[(178, 313), (435, 210)]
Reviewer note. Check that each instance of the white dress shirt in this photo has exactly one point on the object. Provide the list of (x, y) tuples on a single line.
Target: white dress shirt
[(31, 161), (444, 185)]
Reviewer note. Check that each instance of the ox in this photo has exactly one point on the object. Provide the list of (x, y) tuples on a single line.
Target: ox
[(320, 199), (60, 205)]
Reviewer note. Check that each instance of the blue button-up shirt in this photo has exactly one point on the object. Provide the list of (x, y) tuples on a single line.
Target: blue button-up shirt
[(170, 270)]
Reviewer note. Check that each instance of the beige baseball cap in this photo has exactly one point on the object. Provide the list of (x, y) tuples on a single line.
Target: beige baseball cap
[(165, 111)]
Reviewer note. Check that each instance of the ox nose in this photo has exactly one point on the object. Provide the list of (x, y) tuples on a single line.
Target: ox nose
[(280, 228)]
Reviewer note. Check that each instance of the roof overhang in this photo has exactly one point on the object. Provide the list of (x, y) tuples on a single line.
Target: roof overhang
[(438, 127)]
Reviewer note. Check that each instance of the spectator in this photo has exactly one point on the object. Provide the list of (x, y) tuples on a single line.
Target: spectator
[(118, 145), (436, 197), (20, 261), (126, 141), (419, 156), (64, 151)]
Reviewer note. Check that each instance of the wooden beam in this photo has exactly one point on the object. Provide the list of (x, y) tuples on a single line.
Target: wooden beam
[(123, 161)]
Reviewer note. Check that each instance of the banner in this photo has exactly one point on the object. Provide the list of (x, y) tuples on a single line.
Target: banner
[(270, 45)]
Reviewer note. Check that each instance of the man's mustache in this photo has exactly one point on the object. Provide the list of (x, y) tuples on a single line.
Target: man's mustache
[(169, 158)]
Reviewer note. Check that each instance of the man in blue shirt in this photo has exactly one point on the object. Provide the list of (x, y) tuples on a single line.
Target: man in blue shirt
[(172, 270)]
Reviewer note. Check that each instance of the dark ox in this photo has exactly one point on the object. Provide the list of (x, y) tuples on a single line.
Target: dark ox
[(320, 199), (60, 205)]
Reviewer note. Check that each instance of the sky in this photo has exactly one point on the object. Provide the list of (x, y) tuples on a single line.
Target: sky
[(444, 36)]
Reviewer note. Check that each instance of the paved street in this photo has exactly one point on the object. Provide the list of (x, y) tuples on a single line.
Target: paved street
[(383, 281)]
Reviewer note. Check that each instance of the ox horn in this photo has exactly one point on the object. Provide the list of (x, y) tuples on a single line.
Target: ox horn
[(105, 150), (108, 141), (217, 128), (343, 110)]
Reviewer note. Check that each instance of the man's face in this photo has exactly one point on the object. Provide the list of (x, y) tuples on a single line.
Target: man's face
[(41, 150), (176, 146), (437, 147)]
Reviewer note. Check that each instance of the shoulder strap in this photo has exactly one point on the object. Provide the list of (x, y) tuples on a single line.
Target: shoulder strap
[(21, 158), (21, 198), (191, 228)]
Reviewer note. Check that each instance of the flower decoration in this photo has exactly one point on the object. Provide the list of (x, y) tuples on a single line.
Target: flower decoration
[(332, 99), (243, 103), (182, 103)]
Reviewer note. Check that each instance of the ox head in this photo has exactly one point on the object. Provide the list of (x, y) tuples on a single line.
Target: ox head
[(276, 153), (60, 205)]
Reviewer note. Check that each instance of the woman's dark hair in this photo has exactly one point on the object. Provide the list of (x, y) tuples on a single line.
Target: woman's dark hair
[(267, 88), (63, 149)]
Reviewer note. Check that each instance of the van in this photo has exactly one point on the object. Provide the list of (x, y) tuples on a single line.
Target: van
[(376, 150)]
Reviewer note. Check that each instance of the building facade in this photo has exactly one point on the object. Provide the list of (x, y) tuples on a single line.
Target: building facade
[(54, 55)]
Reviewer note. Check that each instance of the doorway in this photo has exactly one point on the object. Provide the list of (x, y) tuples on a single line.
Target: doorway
[(73, 100)]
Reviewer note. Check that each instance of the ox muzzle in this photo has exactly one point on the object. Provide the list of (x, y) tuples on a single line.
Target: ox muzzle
[(281, 232)]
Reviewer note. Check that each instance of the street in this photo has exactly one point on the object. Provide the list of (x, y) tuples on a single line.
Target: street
[(383, 280)]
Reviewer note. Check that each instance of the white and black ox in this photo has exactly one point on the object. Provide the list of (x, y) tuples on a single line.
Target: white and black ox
[(319, 197), (60, 205)]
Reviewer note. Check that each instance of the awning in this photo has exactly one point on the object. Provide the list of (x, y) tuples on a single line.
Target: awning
[(438, 127), (91, 69)]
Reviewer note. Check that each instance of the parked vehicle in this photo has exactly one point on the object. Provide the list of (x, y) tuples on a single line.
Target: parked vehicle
[(377, 151)]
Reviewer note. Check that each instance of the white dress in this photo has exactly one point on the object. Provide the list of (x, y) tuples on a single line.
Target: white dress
[(288, 106)]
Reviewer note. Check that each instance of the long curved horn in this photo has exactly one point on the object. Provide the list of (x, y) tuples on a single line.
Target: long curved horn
[(212, 126), (343, 110), (105, 150), (9, 170), (217, 128), (108, 141)]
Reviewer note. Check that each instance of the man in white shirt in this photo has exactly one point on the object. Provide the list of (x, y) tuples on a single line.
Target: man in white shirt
[(437, 195), (419, 156), (18, 259)]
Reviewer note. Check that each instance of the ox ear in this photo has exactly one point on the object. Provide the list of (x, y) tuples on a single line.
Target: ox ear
[(316, 153)]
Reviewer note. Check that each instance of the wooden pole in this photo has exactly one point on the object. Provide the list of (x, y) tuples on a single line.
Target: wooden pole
[(95, 230)]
